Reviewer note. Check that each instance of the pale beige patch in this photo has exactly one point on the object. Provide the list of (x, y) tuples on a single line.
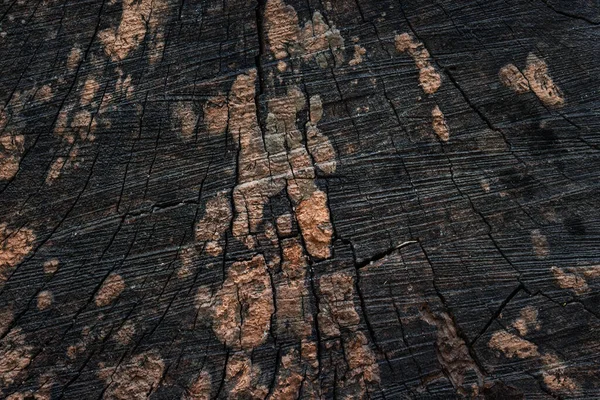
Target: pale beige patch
[(452, 351), (186, 119), (539, 242), (284, 224), (319, 146), (244, 305), (11, 151), (74, 58), (313, 219), (336, 308), (242, 378), (281, 23), (430, 80), (109, 291), (44, 93), (51, 266), (440, 127), (570, 280), (540, 82), (135, 378), (513, 346), (16, 244), (362, 362), (527, 320), (513, 78), (44, 300)]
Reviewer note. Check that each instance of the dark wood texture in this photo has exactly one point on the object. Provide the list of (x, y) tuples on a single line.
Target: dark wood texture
[(416, 241)]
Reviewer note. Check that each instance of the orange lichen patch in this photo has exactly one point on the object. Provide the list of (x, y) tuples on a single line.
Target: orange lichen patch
[(200, 389), (527, 320), (216, 115), (15, 357), (44, 93), (51, 266), (44, 300), (15, 246), (539, 242), (135, 378), (11, 151), (319, 146), (74, 58), (452, 351), (215, 221), (430, 80), (213, 248), (336, 307), (361, 360), (136, 18), (312, 215), (359, 52), (513, 78), (287, 38), (540, 82), (244, 305), (111, 289), (512, 345), (125, 333), (242, 377), (569, 279), (440, 127), (186, 119)]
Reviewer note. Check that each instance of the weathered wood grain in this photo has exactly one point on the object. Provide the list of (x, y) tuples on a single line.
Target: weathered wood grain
[(299, 199)]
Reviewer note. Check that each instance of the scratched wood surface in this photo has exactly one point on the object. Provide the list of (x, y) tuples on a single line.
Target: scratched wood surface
[(299, 199)]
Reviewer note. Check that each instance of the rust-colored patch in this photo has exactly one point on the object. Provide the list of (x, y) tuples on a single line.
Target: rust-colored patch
[(336, 308), (109, 291), (244, 305), (15, 357), (51, 266), (90, 88), (214, 223), (186, 119), (540, 82), (364, 369), (200, 389), (136, 18), (359, 52), (440, 127), (44, 300), (513, 346), (125, 333), (290, 377), (216, 115), (15, 246), (135, 378), (242, 377), (313, 218), (527, 320), (430, 80), (284, 224), (287, 38), (541, 248), (513, 78), (11, 151), (452, 351)]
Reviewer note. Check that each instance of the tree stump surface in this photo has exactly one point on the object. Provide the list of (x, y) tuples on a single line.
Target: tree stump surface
[(299, 199)]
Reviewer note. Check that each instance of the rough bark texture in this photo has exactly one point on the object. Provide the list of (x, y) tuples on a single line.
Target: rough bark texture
[(299, 199)]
